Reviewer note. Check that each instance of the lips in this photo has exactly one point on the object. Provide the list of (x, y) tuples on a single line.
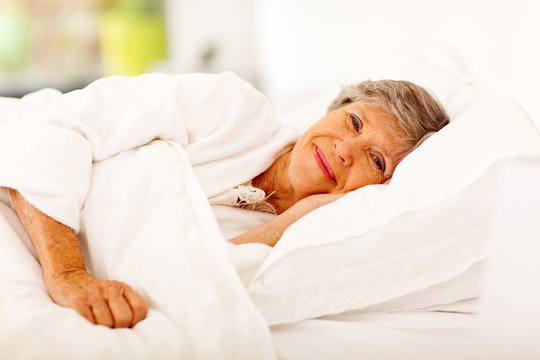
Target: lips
[(323, 164)]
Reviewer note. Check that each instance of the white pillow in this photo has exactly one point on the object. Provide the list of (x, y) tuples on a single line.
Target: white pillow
[(416, 243)]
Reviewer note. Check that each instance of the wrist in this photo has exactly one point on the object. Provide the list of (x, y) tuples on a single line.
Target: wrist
[(66, 274)]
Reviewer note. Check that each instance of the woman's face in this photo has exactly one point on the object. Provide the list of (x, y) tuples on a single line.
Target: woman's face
[(348, 148)]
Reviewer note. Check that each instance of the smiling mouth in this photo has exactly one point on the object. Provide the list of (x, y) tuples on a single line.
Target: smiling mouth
[(323, 164)]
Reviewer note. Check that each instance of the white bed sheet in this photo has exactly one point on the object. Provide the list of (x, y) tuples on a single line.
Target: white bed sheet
[(376, 336)]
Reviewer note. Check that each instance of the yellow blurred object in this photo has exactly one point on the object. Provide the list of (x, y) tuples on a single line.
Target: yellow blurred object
[(132, 41)]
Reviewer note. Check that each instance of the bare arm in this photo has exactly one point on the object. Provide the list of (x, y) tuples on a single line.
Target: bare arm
[(270, 232), (103, 302)]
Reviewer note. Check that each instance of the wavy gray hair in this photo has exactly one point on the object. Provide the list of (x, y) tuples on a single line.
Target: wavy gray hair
[(417, 113)]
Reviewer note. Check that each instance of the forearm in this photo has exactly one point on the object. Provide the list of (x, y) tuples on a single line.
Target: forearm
[(269, 233), (104, 302), (57, 245)]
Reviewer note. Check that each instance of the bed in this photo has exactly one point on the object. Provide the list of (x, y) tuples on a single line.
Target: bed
[(423, 269), (488, 46), (401, 275), (495, 322)]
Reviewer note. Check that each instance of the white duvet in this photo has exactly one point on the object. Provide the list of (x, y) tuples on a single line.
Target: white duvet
[(145, 217)]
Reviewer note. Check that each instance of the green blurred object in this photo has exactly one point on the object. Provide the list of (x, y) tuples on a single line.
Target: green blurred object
[(141, 6), (133, 36), (14, 38)]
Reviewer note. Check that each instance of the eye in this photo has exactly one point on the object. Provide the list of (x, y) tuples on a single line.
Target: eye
[(378, 162), (356, 122)]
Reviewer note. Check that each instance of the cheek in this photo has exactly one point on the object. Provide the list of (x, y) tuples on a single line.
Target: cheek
[(298, 170), (303, 174), (361, 176)]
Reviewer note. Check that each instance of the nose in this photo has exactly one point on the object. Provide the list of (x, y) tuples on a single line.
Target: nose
[(343, 151)]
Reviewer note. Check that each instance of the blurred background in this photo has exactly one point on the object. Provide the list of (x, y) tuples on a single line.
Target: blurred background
[(66, 44), (289, 49)]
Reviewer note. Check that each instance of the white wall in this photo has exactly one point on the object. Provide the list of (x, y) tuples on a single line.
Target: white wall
[(194, 24), (304, 44), (301, 46)]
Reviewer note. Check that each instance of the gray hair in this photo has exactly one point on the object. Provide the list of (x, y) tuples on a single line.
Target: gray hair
[(417, 114)]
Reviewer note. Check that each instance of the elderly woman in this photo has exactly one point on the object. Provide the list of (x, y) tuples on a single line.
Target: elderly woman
[(368, 129)]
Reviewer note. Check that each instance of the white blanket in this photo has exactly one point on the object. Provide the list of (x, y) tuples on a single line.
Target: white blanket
[(223, 123), (146, 219)]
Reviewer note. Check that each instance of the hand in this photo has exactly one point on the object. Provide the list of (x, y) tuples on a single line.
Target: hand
[(270, 232), (102, 302), (110, 303), (311, 203)]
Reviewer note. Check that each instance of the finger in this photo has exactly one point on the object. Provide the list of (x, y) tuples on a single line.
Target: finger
[(137, 304), (102, 314), (86, 312), (120, 309), (77, 302), (328, 198), (335, 196)]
